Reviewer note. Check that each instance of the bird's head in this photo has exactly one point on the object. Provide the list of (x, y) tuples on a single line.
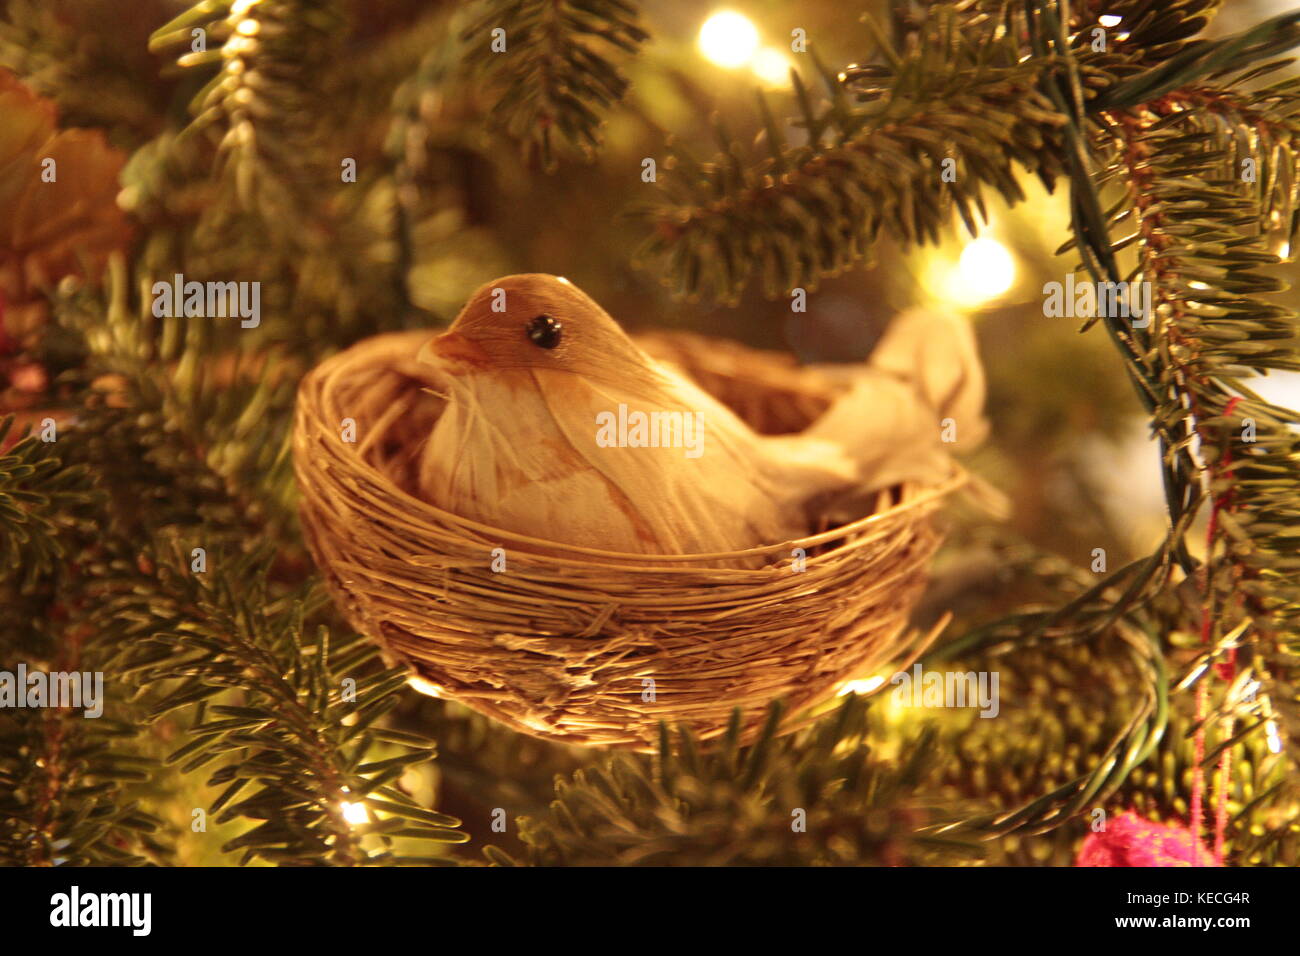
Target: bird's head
[(535, 321)]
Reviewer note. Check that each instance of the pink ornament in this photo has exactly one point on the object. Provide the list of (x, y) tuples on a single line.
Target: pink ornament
[(1129, 840)]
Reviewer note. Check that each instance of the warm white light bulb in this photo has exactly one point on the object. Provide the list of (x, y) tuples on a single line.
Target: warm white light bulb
[(771, 67), (985, 270), (728, 39), (355, 813)]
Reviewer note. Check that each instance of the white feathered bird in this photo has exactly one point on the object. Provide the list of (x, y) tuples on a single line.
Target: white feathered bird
[(536, 373)]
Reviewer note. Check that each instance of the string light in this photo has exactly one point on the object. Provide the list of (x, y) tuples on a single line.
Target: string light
[(771, 67), (987, 268), (984, 271), (355, 813), (1109, 20), (728, 39)]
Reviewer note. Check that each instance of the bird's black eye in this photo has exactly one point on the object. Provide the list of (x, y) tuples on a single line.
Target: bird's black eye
[(544, 331)]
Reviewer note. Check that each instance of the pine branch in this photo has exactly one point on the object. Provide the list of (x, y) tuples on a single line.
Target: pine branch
[(962, 114), (39, 500), (65, 792), (816, 797), (1040, 742), (225, 642), (70, 776), (1058, 729), (261, 105), (288, 720), (485, 767), (1239, 52), (1202, 230), (556, 75), (215, 420), (1148, 32), (1111, 619), (62, 51)]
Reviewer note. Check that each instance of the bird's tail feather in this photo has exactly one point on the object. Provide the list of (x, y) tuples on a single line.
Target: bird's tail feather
[(919, 399)]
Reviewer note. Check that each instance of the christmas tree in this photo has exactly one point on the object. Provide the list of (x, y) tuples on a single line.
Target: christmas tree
[(202, 204)]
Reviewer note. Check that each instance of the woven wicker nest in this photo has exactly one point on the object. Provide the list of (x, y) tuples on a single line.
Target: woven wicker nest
[(590, 647)]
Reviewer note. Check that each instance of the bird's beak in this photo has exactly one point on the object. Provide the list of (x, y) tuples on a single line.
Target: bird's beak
[(451, 349)]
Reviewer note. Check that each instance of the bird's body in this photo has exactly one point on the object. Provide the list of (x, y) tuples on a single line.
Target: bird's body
[(558, 427)]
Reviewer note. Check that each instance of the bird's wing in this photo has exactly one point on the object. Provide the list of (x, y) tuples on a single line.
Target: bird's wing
[(935, 352), (919, 399), (715, 498)]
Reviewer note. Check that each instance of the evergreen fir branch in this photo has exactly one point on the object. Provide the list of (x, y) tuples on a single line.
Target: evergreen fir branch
[(39, 500), (219, 416), (1058, 722), (218, 646), (69, 779), (557, 74), (809, 210), (1246, 49), (37, 47), (1046, 740), (1149, 32), (1205, 255), (1110, 614), (260, 105), (65, 783), (303, 202), (1200, 235), (817, 797), (95, 81), (288, 720), (483, 765), (408, 148)]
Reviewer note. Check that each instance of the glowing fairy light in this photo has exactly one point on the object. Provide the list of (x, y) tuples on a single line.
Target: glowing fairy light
[(355, 813), (1109, 20), (771, 67), (984, 271), (861, 686), (428, 688), (728, 39)]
